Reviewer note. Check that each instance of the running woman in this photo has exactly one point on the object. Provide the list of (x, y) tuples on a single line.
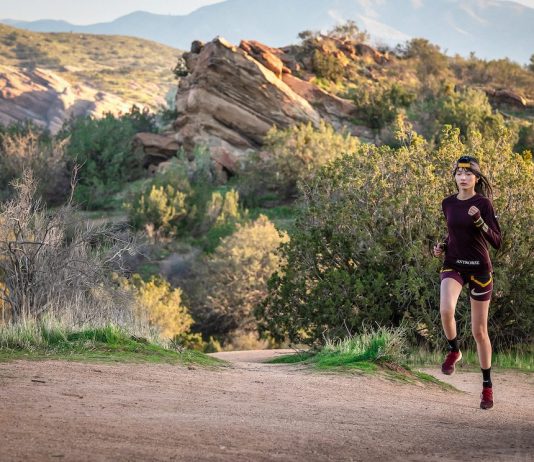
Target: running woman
[(471, 224)]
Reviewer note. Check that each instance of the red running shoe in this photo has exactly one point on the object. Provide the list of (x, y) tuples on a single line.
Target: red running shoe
[(486, 398), (452, 358)]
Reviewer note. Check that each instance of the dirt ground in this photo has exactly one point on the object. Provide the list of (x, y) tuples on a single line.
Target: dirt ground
[(57, 410)]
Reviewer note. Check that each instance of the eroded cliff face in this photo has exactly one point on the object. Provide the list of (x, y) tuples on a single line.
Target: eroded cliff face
[(47, 99), (232, 95), (230, 100)]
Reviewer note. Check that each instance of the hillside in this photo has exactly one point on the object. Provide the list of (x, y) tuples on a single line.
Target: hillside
[(230, 96), (492, 29), (130, 69)]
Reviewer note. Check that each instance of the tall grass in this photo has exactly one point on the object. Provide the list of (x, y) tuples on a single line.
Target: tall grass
[(521, 358), (373, 346), (367, 350), (52, 339), (53, 334)]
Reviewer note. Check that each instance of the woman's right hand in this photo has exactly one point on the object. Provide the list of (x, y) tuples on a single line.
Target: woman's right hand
[(438, 249)]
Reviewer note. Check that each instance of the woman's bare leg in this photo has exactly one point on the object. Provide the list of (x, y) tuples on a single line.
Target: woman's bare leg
[(448, 297), (479, 327)]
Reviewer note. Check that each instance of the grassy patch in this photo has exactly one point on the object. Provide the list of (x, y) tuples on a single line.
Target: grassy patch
[(381, 351), (347, 363), (37, 341), (521, 359), (373, 346), (283, 216), (298, 357), (329, 363), (424, 377)]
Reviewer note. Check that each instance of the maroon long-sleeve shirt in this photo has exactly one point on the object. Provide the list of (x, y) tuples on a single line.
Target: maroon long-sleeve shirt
[(467, 245)]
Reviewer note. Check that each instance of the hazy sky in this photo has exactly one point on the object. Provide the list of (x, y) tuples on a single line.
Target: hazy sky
[(89, 12)]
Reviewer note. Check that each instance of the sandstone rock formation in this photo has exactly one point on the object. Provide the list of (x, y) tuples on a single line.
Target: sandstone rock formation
[(504, 96), (48, 100), (233, 95), (157, 148), (230, 100)]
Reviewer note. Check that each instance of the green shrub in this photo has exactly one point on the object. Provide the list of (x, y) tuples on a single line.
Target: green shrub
[(177, 203), (162, 307), (327, 66), (289, 156), (468, 109), (103, 149), (495, 73), (431, 63), (159, 210), (526, 138), (349, 31), (379, 103), (23, 129), (223, 214), (359, 249), (465, 108), (232, 280)]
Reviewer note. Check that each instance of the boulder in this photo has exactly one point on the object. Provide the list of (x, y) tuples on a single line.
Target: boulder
[(332, 108), (504, 96), (367, 51), (265, 55), (157, 148)]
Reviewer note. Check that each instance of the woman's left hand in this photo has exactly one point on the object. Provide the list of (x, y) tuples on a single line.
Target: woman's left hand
[(474, 212)]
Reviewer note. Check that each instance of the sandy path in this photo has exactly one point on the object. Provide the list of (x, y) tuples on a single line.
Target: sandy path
[(57, 410)]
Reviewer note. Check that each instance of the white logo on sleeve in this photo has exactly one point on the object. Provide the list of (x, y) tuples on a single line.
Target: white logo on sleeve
[(473, 292)]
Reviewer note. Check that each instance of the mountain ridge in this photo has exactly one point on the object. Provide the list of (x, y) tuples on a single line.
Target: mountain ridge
[(492, 29)]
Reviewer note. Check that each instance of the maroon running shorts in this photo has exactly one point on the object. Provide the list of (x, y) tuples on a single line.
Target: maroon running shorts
[(480, 285)]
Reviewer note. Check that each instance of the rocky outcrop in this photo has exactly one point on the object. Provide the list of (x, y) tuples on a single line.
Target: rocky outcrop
[(269, 57), (157, 148), (230, 100), (47, 99), (504, 96), (233, 95), (330, 107)]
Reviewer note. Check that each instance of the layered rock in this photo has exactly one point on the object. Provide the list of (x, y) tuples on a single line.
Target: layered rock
[(157, 148), (233, 95), (47, 100), (230, 100), (504, 96)]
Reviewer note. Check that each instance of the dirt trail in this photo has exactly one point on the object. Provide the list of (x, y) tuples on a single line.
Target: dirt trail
[(57, 410)]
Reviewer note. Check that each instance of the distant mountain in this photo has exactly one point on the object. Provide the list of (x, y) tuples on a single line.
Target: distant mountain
[(491, 28), (43, 25)]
